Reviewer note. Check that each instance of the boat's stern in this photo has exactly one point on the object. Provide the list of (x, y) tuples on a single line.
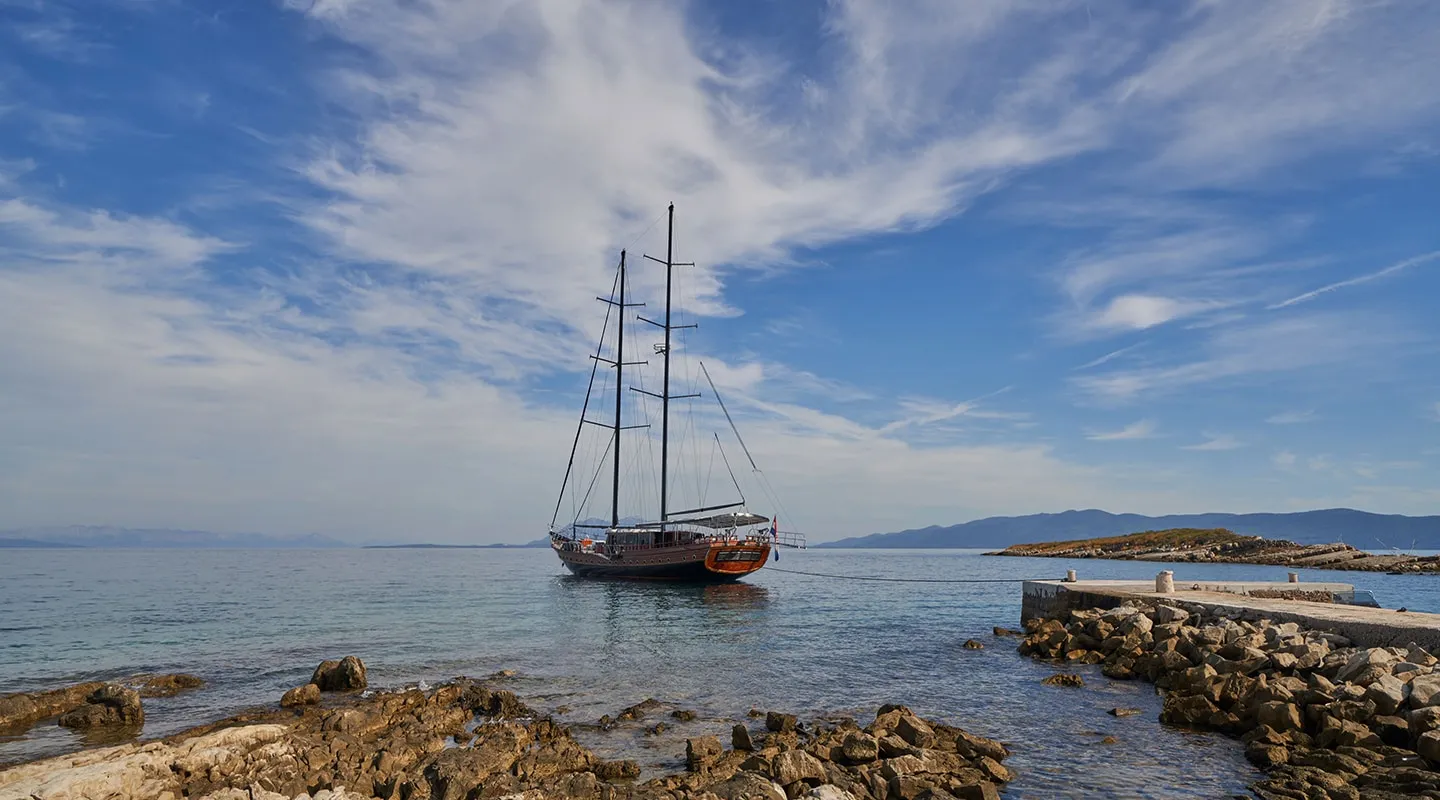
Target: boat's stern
[(736, 557)]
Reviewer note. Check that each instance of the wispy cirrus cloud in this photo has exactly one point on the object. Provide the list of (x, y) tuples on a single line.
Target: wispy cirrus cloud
[(1378, 274), (1292, 417), (1259, 348), (1216, 442), (1143, 429)]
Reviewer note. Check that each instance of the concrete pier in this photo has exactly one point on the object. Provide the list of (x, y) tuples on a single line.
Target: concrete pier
[(1368, 627)]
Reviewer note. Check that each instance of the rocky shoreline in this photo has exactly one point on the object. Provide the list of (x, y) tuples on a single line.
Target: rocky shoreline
[(1221, 546), (1321, 716), (468, 740)]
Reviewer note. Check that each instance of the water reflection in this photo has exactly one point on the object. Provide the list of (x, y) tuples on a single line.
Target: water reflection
[(738, 596)]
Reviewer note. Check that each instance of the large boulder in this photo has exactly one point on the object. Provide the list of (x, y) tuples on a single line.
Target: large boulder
[(780, 723), (307, 695), (747, 786), (110, 705), (701, 751), (1362, 661), (1279, 716), (1425, 691), (740, 738), (1428, 746), (797, 765), (1388, 693), (1165, 615), (345, 675), (860, 748)]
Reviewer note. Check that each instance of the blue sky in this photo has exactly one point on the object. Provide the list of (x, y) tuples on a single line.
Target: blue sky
[(330, 266)]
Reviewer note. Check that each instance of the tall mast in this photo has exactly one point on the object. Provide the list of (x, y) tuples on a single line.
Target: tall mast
[(665, 390), (619, 369), (664, 349)]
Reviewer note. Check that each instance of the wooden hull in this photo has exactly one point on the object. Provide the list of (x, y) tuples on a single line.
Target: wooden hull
[(701, 562)]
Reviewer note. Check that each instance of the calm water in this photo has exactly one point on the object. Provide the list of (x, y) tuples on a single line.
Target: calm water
[(255, 622)]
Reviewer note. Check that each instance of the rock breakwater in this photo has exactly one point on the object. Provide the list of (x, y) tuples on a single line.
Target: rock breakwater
[(1221, 546), (467, 740), (1323, 717)]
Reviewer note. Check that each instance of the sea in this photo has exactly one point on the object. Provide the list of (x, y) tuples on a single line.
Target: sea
[(254, 623)]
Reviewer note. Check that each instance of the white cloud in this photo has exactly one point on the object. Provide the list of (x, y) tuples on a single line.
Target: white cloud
[(1144, 429), (1292, 417), (1283, 459), (1216, 442), (1138, 312)]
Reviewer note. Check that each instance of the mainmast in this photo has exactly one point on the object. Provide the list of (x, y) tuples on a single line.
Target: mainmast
[(664, 349), (619, 391), (665, 390)]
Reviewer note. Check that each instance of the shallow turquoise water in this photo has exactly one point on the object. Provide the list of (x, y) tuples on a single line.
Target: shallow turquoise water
[(255, 622)]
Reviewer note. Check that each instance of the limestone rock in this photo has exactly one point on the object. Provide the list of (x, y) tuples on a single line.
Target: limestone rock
[(780, 723), (747, 786), (797, 765), (915, 731), (1064, 679), (1388, 693), (971, 644), (111, 704), (1279, 716), (1428, 746), (1357, 664), (1123, 712), (347, 674), (829, 792), (701, 751), (740, 738), (1425, 691), (860, 748), (19, 711), (1165, 615), (307, 695)]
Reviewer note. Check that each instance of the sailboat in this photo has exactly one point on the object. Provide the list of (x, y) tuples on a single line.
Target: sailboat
[(707, 543)]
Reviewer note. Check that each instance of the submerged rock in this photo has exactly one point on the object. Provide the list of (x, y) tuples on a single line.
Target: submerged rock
[(1064, 679), (166, 685)]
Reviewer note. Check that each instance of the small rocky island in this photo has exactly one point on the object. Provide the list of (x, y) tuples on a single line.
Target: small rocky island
[(1221, 546)]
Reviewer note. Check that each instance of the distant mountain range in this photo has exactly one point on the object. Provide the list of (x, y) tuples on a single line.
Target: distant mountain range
[(426, 546), (105, 536), (1357, 528)]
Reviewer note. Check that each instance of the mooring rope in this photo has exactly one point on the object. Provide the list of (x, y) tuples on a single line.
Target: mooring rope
[(898, 580)]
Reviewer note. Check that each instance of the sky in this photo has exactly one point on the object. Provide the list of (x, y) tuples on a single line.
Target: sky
[(330, 265)]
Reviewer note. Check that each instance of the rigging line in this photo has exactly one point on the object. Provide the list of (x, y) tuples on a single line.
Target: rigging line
[(899, 580), (727, 416), (727, 468), (593, 480), (709, 472), (594, 365), (655, 222)]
